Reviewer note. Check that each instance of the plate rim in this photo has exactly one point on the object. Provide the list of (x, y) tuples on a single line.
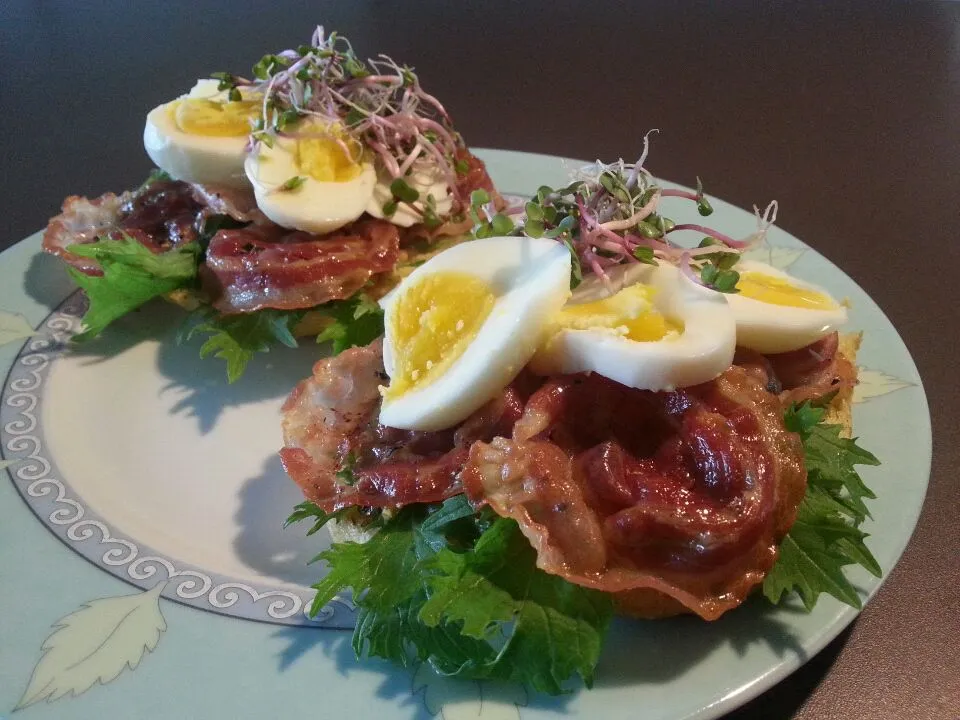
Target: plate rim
[(840, 620)]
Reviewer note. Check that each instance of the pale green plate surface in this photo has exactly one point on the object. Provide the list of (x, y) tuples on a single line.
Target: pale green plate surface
[(125, 649)]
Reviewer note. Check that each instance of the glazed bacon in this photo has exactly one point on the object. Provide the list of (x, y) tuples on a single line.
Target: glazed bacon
[(258, 266), (82, 221), (814, 372), (161, 216), (330, 423), (685, 494), (266, 266), (239, 204), (674, 501)]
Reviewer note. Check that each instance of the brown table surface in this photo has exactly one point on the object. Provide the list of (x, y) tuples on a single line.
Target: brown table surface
[(850, 117)]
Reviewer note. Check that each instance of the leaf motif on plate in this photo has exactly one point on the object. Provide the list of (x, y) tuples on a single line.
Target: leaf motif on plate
[(7, 463), (95, 644), (874, 383), (14, 327), (780, 257), (455, 699)]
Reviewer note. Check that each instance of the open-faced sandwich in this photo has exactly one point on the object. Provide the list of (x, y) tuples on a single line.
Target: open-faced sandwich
[(285, 204), (576, 418)]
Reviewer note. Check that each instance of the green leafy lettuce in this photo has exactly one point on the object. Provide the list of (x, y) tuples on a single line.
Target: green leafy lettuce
[(355, 322), (237, 338), (132, 275), (460, 590), (825, 537)]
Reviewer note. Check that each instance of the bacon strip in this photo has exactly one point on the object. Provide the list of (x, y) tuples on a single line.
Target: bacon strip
[(82, 221), (331, 417), (260, 267), (678, 500), (697, 519), (814, 372), (239, 204), (160, 216)]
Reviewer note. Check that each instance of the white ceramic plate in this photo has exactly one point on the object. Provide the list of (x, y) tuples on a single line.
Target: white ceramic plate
[(146, 572)]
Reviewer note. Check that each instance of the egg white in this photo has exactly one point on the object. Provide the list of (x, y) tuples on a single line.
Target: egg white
[(769, 328), (194, 158), (316, 206), (423, 181), (530, 279), (701, 352)]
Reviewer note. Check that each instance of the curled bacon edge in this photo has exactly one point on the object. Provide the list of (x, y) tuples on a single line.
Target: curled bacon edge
[(261, 265), (508, 456)]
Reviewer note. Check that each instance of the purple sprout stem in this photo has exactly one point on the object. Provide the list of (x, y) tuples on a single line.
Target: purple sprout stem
[(681, 194), (388, 160), (687, 270), (725, 239)]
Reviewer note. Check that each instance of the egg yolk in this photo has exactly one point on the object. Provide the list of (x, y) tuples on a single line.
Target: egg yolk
[(197, 116), (327, 160), (630, 313), (431, 325), (777, 291)]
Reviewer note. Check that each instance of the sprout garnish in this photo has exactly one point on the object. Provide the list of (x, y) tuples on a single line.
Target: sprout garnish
[(373, 108), (610, 216)]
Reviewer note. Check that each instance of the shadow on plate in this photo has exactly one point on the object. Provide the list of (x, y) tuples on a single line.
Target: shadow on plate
[(790, 694), (417, 689), (202, 382), (156, 321), (46, 280), (262, 543), (654, 652), (397, 683), (636, 652), (269, 375)]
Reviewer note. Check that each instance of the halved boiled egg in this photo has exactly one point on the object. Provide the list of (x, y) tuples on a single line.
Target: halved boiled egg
[(661, 331), (314, 180), (462, 325), (776, 312), (202, 137), (426, 182)]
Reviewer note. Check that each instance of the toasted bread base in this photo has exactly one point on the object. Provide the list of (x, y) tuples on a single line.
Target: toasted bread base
[(840, 409)]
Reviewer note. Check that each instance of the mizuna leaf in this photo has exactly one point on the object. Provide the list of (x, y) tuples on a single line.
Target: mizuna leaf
[(235, 339), (132, 275), (14, 327), (383, 566), (810, 569), (825, 538), (460, 590), (545, 628), (355, 322), (95, 644)]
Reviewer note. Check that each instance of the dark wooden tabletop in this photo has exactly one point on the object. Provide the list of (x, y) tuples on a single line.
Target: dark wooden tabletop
[(849, 116)]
